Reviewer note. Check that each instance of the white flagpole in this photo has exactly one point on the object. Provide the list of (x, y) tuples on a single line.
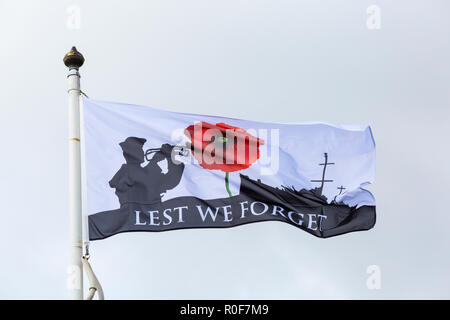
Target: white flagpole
[(74, 60)]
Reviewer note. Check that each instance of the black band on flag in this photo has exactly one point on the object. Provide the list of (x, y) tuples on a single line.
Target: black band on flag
[(256, 202)]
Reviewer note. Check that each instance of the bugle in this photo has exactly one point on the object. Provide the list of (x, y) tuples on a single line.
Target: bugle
[(178, 150)]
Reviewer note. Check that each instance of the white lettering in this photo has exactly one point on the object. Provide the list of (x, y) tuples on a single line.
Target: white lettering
[(311, 221), (166, 215), (227, 213), (243, 208), (180, 213), (153, 218), (252, 208), (320, 220), (138, 220), (208, 212), (279, 210), (300, 221)]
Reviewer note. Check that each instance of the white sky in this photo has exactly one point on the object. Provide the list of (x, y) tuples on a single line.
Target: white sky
[(262, 60)]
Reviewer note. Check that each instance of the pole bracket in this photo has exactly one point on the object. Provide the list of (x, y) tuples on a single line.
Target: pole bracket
[(94, 284)]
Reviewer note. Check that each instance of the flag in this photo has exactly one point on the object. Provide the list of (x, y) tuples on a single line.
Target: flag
[(148, 169)]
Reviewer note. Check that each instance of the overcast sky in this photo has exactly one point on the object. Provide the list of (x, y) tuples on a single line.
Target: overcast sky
[(261, 60)]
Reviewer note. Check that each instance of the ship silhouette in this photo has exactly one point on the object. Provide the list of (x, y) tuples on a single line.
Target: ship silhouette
[(285, 195), (289, 194)]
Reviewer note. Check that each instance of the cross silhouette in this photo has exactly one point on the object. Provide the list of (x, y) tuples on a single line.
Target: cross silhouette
[(341, 188), (340, 191)]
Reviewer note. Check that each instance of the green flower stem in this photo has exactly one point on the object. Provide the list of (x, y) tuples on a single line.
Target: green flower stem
[(227, 184)]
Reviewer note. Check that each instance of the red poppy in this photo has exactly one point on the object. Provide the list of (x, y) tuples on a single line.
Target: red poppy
[(223, 147)]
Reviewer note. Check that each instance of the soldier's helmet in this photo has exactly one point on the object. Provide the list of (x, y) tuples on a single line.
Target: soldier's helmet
[(132, 149)]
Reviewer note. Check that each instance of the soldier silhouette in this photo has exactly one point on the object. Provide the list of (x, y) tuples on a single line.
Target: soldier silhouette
[(144, 185)]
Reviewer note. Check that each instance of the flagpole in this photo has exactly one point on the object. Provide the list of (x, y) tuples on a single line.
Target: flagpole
[(74, 60)]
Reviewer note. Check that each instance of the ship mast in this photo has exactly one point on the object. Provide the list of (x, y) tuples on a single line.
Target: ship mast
[(323, 180)]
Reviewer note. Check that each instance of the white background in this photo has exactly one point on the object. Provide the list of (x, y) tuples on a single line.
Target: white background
[(264, 60)]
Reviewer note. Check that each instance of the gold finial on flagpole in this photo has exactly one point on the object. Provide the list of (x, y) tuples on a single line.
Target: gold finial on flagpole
[(73, 59)]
